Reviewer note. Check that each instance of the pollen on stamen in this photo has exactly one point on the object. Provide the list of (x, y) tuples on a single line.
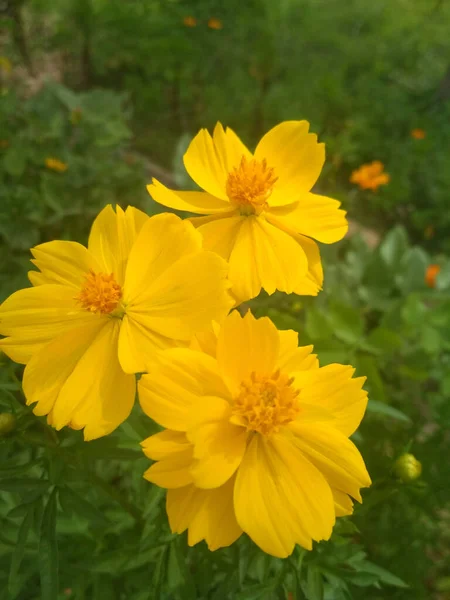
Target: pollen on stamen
[(100, 293), (265, 403), (250, 185)]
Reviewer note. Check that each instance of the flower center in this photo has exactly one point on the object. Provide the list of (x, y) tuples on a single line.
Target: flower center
[(249, 185), (265, 403), (100, 293)]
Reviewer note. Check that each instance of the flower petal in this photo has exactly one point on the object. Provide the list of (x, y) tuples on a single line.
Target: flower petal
[(280, 498), (264, 256), (333, 388), (95, 392), (208, 514), (49, 369), (66, 263), (177, 380), (229, 147), (343, 504), (138, 344), (218, 445), (112, 236), (219, 235), (172, 471), (195, 202), (315, 216), (164, 444), (205, 166), (163, 240), (245, 345), (296, 158), (186, 298), (34, 316), (334, 455)]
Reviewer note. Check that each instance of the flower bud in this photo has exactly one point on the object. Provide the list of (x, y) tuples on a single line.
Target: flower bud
[(407, 467), (7, 423)]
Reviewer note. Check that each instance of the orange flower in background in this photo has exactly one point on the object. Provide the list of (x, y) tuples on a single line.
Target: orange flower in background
[(370, 176), (4, 143), (214, 23), (418, 134), (56, 165), (428, 232), (431, 274), (190, 21)]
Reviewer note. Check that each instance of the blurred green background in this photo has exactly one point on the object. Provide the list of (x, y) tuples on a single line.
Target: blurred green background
[(98, 96)]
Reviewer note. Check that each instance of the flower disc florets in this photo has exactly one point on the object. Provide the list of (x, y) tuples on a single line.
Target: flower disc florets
[(250, 184), (100, 293)]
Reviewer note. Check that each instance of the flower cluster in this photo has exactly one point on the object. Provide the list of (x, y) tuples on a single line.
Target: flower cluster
[(370, 176), (255, 433)]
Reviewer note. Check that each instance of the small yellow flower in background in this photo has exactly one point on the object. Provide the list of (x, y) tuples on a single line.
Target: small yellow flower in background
[(261, 214), (5, 65), (407, 468), (418, 134), (96, 315), (214, 23), (428, 232), (370, 176), (56, 165), (256, 437), (190, 21), (431, 274)]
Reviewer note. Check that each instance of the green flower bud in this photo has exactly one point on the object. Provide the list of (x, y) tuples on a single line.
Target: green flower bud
[(296, 307), (7, 423), (407, 467)]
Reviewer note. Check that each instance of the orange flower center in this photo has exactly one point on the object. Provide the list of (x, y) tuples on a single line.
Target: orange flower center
[(265, 403), (249, 185), (100, 293)]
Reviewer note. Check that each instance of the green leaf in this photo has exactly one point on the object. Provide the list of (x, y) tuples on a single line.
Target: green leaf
[(412, 270), (317, 324), (385, 410), (394, 246), (48, 550), (14, 161), (367, 366), (384, 575), (19, 550), (23, 485), (346, 322), (72, 502), (314, 584), (384, 339), (258, 591)]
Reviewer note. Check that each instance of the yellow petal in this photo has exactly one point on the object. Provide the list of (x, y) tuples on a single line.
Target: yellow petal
[(292, 358), (218, 445), (219, 235), (34, 316), (205, 166), (177, 380), (246, 345), (163, 240), (172, 471), (280, 498), (315, 216), (229, 147), (195, 202), (334, 455), (343, 504), (209, 515), (186, 298), (62, 262), (49, 369), (112, 236), (264, 256), (164, 444), (97, 394), (296, 158), (138, 344), (207, 341), (333, 388)]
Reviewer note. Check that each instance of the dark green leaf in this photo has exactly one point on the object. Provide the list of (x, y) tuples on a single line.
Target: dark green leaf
[(23, 485), (380, 408), (48, 550), (19, 550)]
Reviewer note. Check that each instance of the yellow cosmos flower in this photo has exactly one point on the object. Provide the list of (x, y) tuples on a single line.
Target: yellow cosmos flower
[(96, 315), (256, 437), (56, 165), (261, 213)]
